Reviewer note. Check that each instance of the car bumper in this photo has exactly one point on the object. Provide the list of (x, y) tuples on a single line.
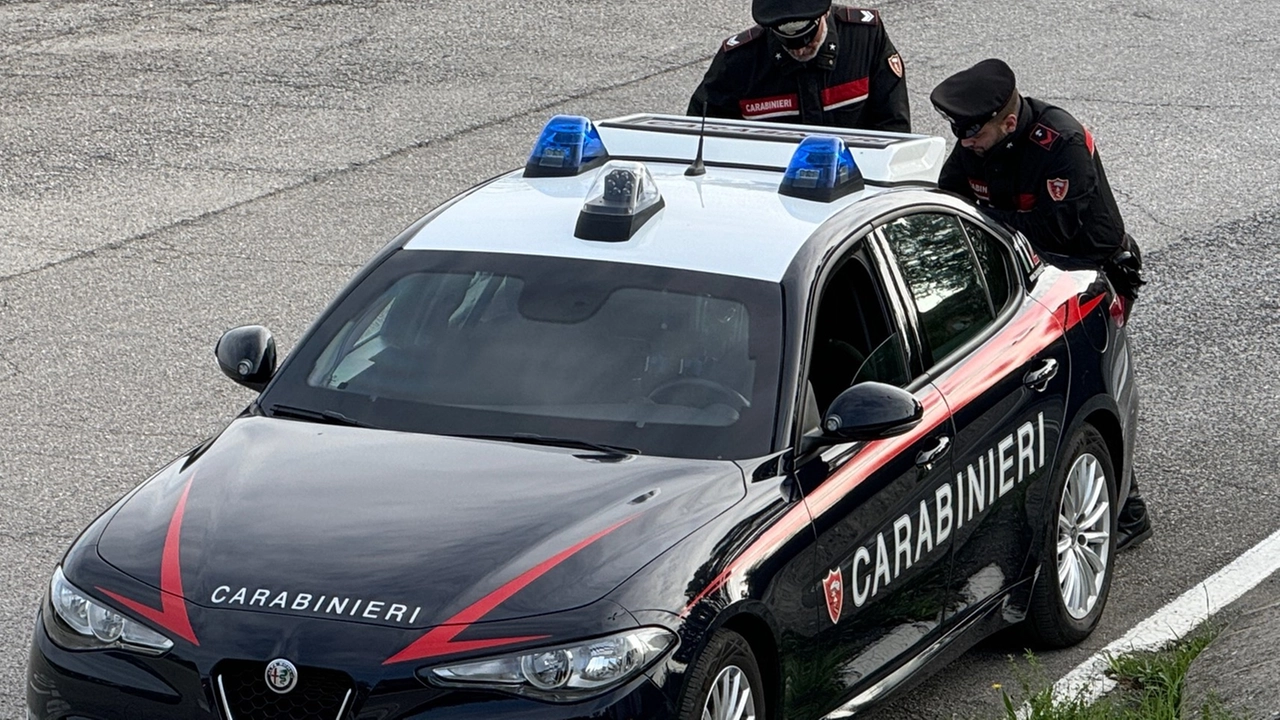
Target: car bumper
[(120, 685)]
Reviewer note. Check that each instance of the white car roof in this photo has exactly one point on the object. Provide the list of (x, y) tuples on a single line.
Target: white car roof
[(730, 221)]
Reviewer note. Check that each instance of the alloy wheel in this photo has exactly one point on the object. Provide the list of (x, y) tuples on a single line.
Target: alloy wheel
[(730, 697), (1084, 533)]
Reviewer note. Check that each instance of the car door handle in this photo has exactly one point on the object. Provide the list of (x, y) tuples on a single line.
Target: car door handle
[(1039, 378), (926, 458)]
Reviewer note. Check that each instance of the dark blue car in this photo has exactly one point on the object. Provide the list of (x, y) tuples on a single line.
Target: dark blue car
[(602, 439)]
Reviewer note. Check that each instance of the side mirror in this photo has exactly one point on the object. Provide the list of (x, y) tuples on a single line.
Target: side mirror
[(872, 411), (247, 355)]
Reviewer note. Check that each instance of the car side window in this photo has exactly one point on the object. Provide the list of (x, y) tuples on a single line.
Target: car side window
[(934, 256), (993, 261), (853, 340)]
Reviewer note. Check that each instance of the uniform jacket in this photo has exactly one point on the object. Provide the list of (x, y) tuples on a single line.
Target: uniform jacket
[(856, 81), (1046, 180)]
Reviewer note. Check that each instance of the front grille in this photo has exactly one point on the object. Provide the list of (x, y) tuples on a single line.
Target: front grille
[(319, 695)]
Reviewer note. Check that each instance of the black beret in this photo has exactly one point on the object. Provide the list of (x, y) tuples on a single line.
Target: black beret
[(773, 12), (970, 98)]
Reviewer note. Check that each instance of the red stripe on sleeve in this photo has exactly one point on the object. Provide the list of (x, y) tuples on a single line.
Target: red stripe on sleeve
[(845, 92)]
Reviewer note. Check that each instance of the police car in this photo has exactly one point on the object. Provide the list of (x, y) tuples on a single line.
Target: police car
[(690, 420)]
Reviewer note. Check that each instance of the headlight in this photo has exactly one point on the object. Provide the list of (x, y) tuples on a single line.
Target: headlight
[(86, 625), (564, 673)]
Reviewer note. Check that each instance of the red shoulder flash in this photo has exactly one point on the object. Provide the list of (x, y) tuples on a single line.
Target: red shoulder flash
[(734, 42), (857, 15), (1044, 136)]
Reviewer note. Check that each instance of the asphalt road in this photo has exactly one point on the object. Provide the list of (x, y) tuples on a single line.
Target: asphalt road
[(171, 169)]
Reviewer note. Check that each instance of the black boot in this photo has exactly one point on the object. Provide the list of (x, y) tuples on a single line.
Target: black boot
[(1134, 523)]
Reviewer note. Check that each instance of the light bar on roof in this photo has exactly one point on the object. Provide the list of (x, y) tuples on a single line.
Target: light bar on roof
[(821, 169), (885, 158), (568, 145)]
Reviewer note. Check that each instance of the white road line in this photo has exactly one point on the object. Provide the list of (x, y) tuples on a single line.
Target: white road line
[(1173, 621)]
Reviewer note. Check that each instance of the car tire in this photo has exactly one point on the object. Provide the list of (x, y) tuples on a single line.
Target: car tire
[(723, 679), (1077, 561)]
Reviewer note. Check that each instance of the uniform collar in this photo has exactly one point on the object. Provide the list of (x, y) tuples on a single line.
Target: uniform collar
[(1015, 138), (1024, 125), (824, 60)]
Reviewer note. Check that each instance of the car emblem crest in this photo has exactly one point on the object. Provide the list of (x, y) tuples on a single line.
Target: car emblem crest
[(833, 585), (281, 675)]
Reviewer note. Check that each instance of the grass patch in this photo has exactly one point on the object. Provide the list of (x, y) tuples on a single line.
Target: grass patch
[(1149, 687)]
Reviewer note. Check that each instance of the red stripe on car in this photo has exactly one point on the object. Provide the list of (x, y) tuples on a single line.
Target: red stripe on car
[(872, 456), (172, 615), (794, 521), (441, 640), (1014, 345)]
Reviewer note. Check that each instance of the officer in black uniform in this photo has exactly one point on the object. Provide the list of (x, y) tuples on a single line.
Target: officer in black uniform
[(1034, 167), (807, 62)]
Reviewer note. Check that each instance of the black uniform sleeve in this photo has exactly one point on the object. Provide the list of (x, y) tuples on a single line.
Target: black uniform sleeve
[(887, 107), (713, 90), (1054, 225), (952, 177)]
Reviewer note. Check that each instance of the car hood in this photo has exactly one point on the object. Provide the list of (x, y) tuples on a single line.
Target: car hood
[(404, 529)]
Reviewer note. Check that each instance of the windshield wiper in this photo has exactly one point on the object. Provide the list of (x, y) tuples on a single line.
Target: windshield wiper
[(328, 417), (536, 439)]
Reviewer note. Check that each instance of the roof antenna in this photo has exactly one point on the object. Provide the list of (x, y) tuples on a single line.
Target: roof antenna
[(697, 168)]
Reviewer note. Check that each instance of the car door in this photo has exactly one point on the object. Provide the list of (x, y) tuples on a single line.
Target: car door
[(881, 551), (1003, 370)]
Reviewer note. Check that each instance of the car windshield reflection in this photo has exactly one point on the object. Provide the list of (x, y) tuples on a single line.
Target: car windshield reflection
[(673, 362)]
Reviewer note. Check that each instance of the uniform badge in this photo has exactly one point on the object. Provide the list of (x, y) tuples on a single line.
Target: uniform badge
[(770, 107), (895, 64), (736, 41), (1044, 136), (1058, 188), (833, 589), (858, 15)]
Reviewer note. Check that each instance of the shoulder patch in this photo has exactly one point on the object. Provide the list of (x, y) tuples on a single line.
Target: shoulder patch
[(1044, 136), (895, 64), (857, 15), (734, 42), (1058, 188)]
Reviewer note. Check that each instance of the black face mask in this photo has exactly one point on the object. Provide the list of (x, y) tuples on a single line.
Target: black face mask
[(797, 33)]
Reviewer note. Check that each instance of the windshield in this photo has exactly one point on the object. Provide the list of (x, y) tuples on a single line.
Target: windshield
[(669, 362)]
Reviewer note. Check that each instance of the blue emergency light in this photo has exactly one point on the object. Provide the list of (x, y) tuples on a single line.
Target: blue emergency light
[(821, 169), (568, 145)]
